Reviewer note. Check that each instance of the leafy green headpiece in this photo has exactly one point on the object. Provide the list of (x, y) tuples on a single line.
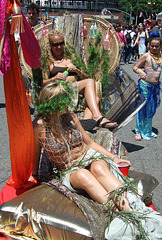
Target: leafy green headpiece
[(58, 103)]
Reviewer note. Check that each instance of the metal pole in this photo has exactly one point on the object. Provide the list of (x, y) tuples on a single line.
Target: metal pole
[(130, 15), (136, 16)]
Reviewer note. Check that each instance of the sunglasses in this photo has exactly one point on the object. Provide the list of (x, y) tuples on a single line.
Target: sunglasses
[(154, 46), (57, 44)]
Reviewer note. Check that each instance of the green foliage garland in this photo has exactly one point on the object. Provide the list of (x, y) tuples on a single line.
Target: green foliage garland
[(71, 53), (59, 103), (37, 77), (94, 55), (97, 56)]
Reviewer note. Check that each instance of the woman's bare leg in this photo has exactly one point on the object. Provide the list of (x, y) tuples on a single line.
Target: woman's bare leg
[(83, 179), (87, 89), (100, 170), (98, 187), (88, 113)]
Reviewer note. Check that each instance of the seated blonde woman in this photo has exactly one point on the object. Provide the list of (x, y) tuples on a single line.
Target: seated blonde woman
[(82, 166), (54, 46)]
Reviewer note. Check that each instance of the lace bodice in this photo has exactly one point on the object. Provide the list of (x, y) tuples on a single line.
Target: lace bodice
[(66, 152)]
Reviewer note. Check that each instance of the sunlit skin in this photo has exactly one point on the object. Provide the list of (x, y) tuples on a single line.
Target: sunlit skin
[(144, 62), (99, 180), (155, 47), (58, 52), (86, 86), (141, 31), (32, 17)]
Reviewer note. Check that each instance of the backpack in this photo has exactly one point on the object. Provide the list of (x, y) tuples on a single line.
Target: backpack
[(128, 37)]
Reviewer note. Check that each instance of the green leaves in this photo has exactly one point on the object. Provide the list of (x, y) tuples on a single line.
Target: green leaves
[(71, 53), (142, 6), (97, 61), (58, 103)]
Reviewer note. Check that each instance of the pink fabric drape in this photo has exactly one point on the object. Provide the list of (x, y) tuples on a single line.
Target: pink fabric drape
[(6, 57), (30, 46)]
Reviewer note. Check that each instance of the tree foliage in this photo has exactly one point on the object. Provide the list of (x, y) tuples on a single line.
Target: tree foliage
[(147, 7)]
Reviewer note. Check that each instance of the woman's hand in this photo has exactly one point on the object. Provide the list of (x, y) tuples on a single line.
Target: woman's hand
[(120, 160), (142, 74), (60, 76), (72, 68)]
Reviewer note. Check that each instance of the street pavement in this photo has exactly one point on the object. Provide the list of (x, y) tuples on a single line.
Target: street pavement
[(145, 156)]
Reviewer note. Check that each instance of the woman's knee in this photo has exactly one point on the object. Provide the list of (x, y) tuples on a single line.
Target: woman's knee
[(82, 176), (99, 168), (90, 82)]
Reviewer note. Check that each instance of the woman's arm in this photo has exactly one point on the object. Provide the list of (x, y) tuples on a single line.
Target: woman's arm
[(92, 144), (136, 41), (73, 68), (141, 63), (147, 34), (58, 76)]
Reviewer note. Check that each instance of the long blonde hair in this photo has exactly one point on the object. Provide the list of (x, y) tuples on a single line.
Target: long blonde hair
[(46, 46), (50, 91)]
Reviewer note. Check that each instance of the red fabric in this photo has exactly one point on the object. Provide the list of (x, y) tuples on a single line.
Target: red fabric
[(21, 136), (2, 237), (152, 206), (10, 5), (30, 46), (7, 193)]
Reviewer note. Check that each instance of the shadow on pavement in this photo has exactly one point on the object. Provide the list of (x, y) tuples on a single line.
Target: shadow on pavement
[(132, 147), (2, 105), (155, 130)]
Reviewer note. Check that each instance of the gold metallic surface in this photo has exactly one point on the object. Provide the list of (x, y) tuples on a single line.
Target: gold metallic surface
[(44, 213)]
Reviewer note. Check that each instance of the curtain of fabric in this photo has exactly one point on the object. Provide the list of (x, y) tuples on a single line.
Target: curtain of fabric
[(20, 127)]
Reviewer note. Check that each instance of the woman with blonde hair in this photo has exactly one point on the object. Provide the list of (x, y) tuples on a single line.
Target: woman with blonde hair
[(61, 67), (82, 166)]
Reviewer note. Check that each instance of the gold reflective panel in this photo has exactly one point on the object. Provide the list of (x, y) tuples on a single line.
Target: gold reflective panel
[(43, 213)]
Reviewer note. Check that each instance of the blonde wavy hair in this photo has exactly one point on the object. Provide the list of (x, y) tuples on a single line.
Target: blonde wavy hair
[(46, 46), (50, 91)]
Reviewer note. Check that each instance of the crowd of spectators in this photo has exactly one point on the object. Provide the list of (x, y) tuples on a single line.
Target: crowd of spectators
[(134, 39)]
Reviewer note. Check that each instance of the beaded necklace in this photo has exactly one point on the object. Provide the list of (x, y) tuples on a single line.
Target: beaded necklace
[(157, 57)]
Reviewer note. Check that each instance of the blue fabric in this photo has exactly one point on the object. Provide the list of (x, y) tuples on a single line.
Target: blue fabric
[(145, 115)]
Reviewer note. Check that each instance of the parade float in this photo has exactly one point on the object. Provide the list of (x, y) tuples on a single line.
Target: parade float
[(49, 211)]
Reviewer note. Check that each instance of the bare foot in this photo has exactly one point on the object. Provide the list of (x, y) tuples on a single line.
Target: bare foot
[(138, 137)]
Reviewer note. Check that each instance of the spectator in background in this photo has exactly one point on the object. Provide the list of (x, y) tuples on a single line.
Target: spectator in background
[(128, 48), (124, 29), (158, 27), (141, 37), (33, 14), (123, 41), (134, 48), (32, 18)]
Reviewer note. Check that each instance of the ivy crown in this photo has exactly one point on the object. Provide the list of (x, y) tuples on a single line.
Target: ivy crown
[(58, 103)]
